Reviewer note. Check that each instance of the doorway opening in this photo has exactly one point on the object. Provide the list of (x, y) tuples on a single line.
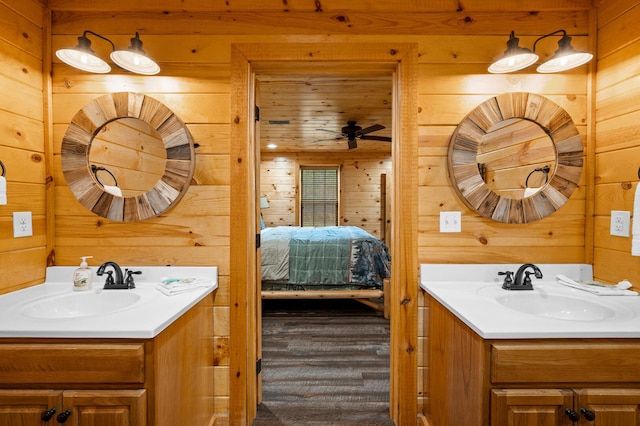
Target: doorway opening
[(315, 176), (249, 61)]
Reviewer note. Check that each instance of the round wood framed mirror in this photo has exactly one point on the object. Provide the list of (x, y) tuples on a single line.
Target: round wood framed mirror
[(144, 135), (516, 158)]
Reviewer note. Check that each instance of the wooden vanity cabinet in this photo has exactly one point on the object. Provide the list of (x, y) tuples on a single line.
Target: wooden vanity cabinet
[(41, 407), (26, 407), (609, 407), (163, 381), (521, 382), (531, 407)]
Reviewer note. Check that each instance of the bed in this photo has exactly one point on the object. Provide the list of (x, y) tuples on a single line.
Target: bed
[(324, 262)]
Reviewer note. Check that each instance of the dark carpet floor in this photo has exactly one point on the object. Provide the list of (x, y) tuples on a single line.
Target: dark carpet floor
[(325, 362)]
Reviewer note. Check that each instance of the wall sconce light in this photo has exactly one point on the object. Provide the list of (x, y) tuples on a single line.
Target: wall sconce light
[(516, 58), (264, 204), (132, 59)]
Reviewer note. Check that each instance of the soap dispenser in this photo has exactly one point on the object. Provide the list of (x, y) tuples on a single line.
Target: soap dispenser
[(83, 275)]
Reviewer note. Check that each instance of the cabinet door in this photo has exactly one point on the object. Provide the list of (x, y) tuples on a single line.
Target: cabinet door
[(27, 407), (531, 407), (610, 407), (106, 407)]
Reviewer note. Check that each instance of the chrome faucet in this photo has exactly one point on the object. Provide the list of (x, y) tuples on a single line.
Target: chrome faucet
[(521, 283), (110, 283)]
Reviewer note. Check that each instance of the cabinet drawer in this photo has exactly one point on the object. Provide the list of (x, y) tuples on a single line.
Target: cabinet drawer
[(575, 362), (68, 363)]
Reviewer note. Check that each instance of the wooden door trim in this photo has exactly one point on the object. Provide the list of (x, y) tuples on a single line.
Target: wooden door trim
[(404, 280)]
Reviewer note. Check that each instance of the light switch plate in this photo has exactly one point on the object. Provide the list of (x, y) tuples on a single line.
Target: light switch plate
[(620, 223), (450, 221), (22, 226)]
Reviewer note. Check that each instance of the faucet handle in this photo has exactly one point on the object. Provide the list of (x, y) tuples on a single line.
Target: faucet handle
[(109, 280), (129, 280), (508, 279), (527, 278)]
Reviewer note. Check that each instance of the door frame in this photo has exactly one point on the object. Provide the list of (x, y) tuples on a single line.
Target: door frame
[(245, 59)]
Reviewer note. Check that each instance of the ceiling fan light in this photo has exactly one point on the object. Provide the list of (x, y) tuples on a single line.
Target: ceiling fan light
[(134, 59), (83, 57), (514, 58), (565, 58)]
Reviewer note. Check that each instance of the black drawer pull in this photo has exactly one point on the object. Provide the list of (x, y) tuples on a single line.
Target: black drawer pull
[(47, 415), (588, 414), (62, 417)]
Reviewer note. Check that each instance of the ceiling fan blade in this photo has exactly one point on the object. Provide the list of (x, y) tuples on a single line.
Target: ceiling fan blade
[(332, 131), (370, 129), (376, 138), (325, 140)]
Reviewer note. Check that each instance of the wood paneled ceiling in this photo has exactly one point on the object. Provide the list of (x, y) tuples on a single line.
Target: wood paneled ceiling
[(297, 100)]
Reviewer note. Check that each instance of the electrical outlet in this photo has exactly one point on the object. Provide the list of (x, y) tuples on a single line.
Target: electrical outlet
[(22, 226), (450, 221), (620, 223)]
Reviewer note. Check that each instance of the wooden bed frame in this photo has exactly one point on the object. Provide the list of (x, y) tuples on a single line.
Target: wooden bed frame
[(362, 296)]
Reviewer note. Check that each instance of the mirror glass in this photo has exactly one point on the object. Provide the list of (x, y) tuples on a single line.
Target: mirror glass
[(127, 157), (516, 158)]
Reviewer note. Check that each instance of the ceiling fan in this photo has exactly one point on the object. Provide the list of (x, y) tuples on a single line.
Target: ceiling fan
[(352, 132)]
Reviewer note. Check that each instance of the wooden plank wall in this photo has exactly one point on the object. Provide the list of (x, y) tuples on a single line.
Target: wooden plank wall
[(455, 44), (360, 197), (617, 149), (196, 232), (22, 142), (558, 238)]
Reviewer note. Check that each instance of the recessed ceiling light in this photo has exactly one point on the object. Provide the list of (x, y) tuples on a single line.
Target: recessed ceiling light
[(272, 146)]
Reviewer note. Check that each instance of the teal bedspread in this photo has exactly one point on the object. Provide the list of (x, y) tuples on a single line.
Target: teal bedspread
[(324, 257)]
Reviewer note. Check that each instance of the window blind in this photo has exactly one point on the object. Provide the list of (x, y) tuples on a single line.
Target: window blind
[(319, 196)]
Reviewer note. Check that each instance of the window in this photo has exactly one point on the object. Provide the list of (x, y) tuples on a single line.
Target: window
[(319, 196)]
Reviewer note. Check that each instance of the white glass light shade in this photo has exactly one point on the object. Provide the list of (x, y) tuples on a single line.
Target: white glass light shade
[(565, 63), (565, 58), (83, 58), (135, 62), (514, 58), (513, 62), (134, 59)]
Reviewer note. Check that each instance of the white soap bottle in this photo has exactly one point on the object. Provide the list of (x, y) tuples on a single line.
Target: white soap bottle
[(82, 276)]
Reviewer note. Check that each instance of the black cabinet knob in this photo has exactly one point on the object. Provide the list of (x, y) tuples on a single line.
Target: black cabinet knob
[(62, 417), (588, 414), (573, 416), (47, 415)]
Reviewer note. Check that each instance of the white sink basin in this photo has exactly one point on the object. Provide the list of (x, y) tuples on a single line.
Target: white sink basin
[(570, 305), (556, 306), (474, 294), (80, 304)]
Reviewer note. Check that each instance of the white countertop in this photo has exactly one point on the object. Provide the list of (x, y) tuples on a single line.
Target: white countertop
[(152, 313), (470, 292)]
